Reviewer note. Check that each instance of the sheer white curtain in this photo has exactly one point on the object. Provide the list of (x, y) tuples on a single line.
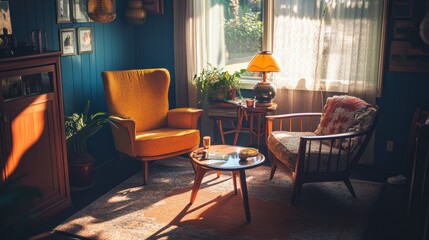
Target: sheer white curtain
[(333, 45), (199, 40), (326, 47)]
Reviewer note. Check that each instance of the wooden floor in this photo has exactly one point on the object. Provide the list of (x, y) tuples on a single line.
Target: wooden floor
[(387, 221)]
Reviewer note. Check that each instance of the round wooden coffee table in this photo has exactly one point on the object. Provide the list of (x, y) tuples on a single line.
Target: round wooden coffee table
[(224, 158)]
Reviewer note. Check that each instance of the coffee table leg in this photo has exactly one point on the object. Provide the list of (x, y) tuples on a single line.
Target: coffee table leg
[(234, 180), (197, 182), (244, 194)]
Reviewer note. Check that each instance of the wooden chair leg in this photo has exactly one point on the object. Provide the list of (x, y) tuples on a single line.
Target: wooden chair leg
[(350, 187), (145, 171), (273, 168), (273, 161), (296, 191)]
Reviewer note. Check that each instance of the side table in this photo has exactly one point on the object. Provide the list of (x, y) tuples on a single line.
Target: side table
[(234, 111), (251, 112)]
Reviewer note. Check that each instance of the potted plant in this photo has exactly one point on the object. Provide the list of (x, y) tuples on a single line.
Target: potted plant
[(79, 127), (216, 84)]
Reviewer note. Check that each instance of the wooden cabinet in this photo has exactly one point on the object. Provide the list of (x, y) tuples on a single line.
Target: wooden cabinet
[(32, 130)]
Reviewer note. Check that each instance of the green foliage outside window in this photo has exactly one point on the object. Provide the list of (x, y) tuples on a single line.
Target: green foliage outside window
[(243, 36)]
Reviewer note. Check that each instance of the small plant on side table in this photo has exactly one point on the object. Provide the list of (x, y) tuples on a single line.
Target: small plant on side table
[(214, 83)]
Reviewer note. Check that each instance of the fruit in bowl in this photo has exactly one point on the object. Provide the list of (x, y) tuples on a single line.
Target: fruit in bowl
[(247, 152)]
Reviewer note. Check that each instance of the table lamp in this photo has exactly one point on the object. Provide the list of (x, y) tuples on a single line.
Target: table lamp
[(264, 91)]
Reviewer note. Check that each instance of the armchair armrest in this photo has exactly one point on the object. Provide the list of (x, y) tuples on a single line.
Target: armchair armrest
[(183, 117), (124, 134), (277, 121), (350, 148)]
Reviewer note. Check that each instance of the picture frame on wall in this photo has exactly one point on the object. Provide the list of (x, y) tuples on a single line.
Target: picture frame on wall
[(68, 41), (154, 7), (5, 22), (63, 11), (80, 11), (85, 42)]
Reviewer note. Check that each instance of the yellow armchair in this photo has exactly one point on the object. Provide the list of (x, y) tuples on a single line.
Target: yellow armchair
[(147, 129)]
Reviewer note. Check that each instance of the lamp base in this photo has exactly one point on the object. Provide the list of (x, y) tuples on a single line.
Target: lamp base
[(264, 92)]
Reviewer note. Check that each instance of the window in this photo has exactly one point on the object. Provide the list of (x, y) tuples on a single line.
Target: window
[(331, 45), (243, 26)]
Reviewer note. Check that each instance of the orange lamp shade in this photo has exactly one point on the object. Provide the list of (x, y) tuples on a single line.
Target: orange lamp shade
[(263, 62)]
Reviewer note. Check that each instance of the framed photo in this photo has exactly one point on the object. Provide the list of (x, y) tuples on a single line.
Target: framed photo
[(404, 57), (84, 41), (154, 7), (5, 18), (80, 11), (68, 41), (63, 11)]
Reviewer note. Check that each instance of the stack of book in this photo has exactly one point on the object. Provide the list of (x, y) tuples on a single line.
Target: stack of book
[(223, 112), (226, 108)]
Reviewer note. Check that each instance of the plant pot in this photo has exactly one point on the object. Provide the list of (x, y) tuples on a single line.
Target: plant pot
[(232, 94), (81, 175), (216, 96)]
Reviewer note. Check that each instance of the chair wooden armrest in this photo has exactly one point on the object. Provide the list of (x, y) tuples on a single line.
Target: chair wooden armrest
[(276, 122), (183, 118), (349, 145), (124, 132)]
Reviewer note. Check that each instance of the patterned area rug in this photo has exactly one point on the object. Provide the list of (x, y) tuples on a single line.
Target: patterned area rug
[(161, 210)]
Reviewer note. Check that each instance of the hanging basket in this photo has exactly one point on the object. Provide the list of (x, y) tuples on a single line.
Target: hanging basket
[(103, 11)]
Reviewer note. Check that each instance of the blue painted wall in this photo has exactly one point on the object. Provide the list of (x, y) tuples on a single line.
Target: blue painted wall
[(119, 46), (155, 44), (114, 48), (403, 92), (81, 74)]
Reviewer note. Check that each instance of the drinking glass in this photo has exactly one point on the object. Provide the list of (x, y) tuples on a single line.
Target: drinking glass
[(206, 142)]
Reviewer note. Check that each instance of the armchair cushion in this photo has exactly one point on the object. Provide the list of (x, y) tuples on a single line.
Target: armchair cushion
[(285, 147), (165, 140), (344, 114)]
